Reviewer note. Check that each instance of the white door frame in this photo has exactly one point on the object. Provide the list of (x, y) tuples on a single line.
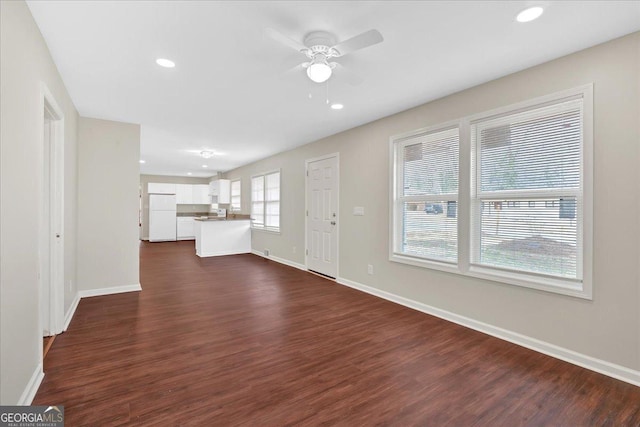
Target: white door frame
[(54, 241), (306, 208)]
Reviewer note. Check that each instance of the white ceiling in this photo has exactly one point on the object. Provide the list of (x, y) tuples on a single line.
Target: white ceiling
[(229, 91)]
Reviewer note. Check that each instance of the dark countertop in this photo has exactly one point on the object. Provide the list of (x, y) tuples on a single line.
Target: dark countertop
[(207, 216), (192, 214)]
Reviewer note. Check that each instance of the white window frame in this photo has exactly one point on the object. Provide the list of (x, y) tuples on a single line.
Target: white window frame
[(397, 198), (239, 195), (263, 227), (581, 289)]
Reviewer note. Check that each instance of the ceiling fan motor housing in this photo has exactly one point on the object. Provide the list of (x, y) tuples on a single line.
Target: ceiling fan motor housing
[(320, 42)]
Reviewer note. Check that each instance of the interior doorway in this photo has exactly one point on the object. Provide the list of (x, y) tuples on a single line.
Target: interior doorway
[(322, 187), (51, 245)]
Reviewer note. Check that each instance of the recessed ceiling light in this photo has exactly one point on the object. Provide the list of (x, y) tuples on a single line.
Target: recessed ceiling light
[(166, 63), (207, 154), (189, 173), (205, 166), (143, 161), (529, 14), (337, 106)]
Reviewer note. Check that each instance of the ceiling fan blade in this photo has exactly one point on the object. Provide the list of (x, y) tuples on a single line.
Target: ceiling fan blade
[(348, 76), (279, 37), (361, 41), (298, 69)]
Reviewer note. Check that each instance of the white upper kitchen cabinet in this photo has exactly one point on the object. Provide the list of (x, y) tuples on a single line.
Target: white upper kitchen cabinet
[(220, 189), (201, 194), (213, 188), (161, 188), (184, 194)]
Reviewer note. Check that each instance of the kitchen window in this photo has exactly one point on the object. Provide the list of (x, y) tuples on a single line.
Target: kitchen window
[(265, 201), (236, 200), (522, 213)]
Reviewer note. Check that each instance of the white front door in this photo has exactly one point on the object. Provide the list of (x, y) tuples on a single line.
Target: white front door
[(322, 216)]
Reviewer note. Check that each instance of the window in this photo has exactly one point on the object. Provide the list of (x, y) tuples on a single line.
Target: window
[(529, 155), (236, 188), (257, 201), (427, 195), (523, 217), (265, 201)]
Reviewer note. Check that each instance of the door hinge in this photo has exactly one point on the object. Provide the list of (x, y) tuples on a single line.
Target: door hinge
[(307, 172), (306, 251), (307, 212)]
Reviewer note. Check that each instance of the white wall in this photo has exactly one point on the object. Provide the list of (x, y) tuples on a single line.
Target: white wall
[(607, 328), (108, 179), (25, 63)]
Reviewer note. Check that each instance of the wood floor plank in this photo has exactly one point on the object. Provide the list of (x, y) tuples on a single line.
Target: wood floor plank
[(243, 341)]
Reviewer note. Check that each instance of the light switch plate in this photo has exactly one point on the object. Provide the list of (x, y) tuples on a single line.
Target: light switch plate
[(358, 210)]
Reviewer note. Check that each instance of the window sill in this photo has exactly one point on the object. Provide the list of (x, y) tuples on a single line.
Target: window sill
[(266, 230), (424, 263), (532, 281)]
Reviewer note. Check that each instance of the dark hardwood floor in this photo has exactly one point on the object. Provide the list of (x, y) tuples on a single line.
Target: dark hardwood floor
[(239, 340)]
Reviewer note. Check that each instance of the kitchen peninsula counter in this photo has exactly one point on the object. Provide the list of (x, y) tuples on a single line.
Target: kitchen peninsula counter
[(222, 236), (221, 219)]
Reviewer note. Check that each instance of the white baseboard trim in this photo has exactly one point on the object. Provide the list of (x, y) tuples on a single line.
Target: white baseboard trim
[(601, 366), (32, 387), (109, 291), (281, 260), (71, 311), (38, 375)]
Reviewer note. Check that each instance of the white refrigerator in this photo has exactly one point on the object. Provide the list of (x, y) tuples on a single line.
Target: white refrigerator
[(162, 217)]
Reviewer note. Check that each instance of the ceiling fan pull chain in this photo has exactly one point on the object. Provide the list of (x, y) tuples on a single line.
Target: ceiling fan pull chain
[(327, 92)]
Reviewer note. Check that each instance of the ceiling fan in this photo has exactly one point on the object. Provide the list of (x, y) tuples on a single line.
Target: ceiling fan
[(320, 47)]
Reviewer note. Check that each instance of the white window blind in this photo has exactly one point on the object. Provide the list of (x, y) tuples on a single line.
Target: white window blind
[(527, 198), (272, 200), (257, 201), (236, 196), (265, 201), (426, 203)]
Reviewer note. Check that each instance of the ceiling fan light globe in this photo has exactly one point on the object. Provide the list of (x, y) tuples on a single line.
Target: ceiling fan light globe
[(319, 72)]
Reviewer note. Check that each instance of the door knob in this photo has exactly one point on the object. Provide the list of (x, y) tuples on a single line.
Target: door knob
[(58, 235), (333, 223)]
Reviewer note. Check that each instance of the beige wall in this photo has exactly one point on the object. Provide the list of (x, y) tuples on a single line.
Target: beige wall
[(145, 179), (606, 328), (25, 63), (108, 175)]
